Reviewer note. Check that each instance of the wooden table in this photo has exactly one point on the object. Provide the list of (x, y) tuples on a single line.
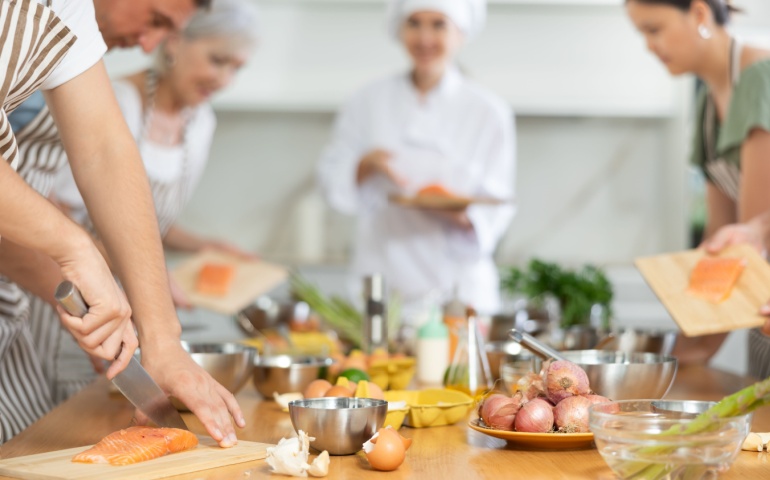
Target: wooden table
[(453, 452)]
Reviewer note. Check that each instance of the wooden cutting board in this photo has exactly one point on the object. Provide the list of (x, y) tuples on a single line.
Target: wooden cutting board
[(58, 465), (252, 279), (669, 276), (438, 202)]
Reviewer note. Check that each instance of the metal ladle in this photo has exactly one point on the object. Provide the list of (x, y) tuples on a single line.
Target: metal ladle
[(534, 345)]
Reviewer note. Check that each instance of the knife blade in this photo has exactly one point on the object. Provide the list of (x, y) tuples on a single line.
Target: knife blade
[(133, 382)]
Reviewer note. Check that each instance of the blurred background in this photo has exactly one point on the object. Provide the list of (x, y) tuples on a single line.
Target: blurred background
[(603, 139)]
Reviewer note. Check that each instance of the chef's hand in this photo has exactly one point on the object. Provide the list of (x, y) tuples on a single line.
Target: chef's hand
[(736, 234), (456, 218), (377, 161), (178, 375), (107, 325), (178, 295), (232, 249)]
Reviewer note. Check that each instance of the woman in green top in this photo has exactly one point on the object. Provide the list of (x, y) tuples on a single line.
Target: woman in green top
[(732, 135)]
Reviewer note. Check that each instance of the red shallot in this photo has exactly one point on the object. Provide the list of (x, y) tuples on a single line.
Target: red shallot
[(571, 414), (536, 416), (594, 399), (499, 411), (531, 386), (565, 379)]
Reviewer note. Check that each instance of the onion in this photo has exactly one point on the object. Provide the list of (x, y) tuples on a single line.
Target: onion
[(594, 399), (571, 414), (499, 411), (565, 379), (536, 416), (531, 386), (611, 408)]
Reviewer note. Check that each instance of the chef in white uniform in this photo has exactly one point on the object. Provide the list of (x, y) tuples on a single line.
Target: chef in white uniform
[(427, 125)]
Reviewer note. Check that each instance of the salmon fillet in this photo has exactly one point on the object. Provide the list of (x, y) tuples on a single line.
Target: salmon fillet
[(215, 279), (435, 190), (713, 278), (137, 444)]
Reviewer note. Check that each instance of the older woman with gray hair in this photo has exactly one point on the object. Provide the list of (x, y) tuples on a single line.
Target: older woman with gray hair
[(167, 110)]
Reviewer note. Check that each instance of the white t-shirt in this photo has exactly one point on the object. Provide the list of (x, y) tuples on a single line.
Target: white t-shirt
[(80, 18)]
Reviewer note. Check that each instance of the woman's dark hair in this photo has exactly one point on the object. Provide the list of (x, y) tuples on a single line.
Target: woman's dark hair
[(722, 9)]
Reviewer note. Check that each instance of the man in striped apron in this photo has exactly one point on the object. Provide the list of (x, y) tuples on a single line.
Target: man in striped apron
[(109, 167)]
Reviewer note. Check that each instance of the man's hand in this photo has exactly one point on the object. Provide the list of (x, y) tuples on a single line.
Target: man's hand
[(736, 234), (377, 162), (178, 375)]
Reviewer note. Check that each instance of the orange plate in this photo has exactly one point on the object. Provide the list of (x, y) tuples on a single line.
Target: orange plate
[(546, 441)]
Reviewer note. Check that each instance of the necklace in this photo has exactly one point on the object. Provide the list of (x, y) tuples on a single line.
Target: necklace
[(172, 133)]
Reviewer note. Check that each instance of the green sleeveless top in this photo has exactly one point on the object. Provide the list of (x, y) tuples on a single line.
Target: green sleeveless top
[(717, 147)]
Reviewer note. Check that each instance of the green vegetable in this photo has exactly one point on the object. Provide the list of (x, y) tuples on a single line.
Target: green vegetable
[(737, 404), (338, 313), (355, 375), (576, 291)]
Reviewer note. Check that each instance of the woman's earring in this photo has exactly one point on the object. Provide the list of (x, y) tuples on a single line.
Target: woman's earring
[(704, 32)]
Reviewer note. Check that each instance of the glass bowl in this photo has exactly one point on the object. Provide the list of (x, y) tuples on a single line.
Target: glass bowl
[(630, 437)]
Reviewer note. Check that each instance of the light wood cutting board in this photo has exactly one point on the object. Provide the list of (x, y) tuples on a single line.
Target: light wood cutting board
[(58, 465), (438, 202), (669, 276), (252, 279)]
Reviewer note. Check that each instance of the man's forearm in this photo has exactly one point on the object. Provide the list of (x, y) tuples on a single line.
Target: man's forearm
[(30, 269)]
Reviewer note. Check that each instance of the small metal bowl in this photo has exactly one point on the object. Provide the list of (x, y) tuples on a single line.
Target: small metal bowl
[(624, 376), (286, 373), (339, 425), (230, 364)]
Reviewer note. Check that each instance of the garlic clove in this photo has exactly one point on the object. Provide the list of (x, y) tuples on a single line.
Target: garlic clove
[(320, 465), (756, 442), (283, 400)]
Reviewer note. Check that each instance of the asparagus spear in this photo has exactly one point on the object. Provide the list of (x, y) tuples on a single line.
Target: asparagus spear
[(741, 403)]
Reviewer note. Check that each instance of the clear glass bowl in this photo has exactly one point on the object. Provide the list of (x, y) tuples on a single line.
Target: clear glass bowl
[(629, 436)]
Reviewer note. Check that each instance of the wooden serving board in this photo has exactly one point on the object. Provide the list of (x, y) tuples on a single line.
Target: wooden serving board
[(252, 279), (669, 276), (58, 465), (438, 202)]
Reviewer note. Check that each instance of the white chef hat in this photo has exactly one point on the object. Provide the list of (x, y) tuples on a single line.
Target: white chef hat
[(468, 15)]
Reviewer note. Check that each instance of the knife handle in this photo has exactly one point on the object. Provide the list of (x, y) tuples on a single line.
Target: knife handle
[(70, 299)]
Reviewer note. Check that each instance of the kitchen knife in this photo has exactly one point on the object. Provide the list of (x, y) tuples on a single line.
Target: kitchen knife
[(133, 382)]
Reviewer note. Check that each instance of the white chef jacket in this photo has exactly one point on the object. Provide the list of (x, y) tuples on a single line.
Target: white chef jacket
[(459, 135)]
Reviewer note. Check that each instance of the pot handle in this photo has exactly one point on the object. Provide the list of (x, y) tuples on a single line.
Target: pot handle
[(604, 341)]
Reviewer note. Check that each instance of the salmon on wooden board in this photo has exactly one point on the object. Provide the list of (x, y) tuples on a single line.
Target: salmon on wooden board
[(435, 190), (713, 278), (215, 279), (137, 444)]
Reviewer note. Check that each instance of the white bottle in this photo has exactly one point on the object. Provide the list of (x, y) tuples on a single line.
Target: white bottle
[(432, 350)]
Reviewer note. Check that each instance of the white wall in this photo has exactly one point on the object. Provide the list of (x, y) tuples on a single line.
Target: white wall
[(602, 130)]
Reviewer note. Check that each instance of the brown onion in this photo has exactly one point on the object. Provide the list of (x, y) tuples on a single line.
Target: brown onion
[(499, 411), (531, 386), (571, 414), (536, 416), (565, 379), (594, 399)]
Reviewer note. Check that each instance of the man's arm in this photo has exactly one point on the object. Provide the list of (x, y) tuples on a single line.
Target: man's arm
[(111, 177)]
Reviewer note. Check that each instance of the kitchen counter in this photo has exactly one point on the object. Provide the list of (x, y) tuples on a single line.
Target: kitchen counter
[(452, 452)]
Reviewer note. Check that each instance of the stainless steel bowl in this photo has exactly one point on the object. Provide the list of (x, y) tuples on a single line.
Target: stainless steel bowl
[(287, 373), (339, 425), (625, 376), (641, 340), (499, 353), (229, 363)]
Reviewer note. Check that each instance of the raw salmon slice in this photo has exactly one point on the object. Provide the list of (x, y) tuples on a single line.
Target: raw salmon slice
[(713, 278), (137, 444), (215, 279)]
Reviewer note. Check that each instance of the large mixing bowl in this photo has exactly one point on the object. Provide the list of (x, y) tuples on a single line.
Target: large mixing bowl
[(286, 373), (229, 363), (624, 376), (628, 437), (339, 425)]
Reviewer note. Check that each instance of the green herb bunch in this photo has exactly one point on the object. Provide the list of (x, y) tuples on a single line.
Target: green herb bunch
[(577, 291)]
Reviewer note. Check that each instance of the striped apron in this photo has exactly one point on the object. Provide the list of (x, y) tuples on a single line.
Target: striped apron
[(33, 41)]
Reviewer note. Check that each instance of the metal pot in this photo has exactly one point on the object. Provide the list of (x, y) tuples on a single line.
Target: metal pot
[(266, 313)]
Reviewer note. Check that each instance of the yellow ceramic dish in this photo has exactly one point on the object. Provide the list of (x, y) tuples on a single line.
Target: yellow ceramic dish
[(546, 441), (432, 407), (393, 374)]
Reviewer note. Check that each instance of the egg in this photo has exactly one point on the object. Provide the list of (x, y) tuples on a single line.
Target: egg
[(317, 389), (375, 391), (386, 450), (338, 391), (352, 386)]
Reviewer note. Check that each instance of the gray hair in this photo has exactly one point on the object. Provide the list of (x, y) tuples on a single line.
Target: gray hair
[(225, 18)]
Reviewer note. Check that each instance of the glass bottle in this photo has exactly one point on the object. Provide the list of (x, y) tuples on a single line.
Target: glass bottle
[(375, 334), (469, 371)]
